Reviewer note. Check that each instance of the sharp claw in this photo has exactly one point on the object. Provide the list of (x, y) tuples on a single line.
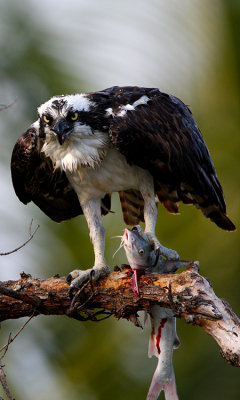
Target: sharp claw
[(169, 254), (71, 292), (91, 275), (77, 278), (68, 279)]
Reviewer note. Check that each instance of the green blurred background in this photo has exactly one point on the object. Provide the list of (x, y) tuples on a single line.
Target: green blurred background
[(190, 49)]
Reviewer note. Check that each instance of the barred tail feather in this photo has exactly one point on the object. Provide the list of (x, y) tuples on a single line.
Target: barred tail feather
[(132, 206)]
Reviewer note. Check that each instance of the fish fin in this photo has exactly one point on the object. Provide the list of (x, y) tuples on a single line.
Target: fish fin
[(145, 318), (151, 346), (176, 343)]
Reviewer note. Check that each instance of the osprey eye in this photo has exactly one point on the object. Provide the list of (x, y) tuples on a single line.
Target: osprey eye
[(47, 119), (74, 116), (141, 251)]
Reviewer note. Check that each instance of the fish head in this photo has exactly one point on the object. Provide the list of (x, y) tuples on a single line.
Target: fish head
[(139, 251)]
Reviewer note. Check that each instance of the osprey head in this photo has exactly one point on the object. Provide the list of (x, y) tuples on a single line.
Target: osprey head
[(61, 115)]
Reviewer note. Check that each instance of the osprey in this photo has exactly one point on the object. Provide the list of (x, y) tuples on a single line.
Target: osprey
[(139, 142)]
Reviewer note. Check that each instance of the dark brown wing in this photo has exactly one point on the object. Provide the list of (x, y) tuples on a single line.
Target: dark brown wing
[(162, 137), (35, 179)]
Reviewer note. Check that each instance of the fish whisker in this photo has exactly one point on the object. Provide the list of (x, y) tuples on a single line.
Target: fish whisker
[(119, 248)]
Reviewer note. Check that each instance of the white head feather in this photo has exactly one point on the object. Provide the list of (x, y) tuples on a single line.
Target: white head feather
[(83, 146), (78, 102)]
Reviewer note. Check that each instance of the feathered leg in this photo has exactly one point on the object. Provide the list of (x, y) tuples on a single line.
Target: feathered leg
[(150, 217), (92, 212)]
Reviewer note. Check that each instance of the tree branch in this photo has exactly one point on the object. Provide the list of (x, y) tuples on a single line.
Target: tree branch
[(188, 294), (4, 383)]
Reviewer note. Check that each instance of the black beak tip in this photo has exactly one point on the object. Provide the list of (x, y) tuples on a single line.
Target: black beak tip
[(62, 130), (62, 137)]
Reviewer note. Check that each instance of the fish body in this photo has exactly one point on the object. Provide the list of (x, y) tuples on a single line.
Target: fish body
[(142, 257), (163, 340)]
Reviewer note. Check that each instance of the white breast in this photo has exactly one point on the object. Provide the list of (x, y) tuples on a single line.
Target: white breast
[(92, 167), (81, 148), (112, 175)]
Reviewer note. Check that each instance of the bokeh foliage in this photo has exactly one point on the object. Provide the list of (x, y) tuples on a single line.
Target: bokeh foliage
[(109, 360)]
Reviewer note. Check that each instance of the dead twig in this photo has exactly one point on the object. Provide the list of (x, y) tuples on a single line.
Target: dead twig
[(31, 234), (5, 107), (11, 339), (3, 381), (4, 348)]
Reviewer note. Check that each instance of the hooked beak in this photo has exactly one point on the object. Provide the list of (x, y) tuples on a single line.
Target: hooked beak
[(62, 130)]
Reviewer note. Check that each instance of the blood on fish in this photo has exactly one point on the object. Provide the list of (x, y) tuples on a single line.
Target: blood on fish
[(158, 336), (135, 282), (136, 273)]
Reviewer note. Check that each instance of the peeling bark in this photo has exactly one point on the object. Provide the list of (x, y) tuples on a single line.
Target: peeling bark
[(188, 294)]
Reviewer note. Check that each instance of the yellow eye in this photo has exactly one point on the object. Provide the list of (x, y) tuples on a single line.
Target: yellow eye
[(141, 251), (74, 117), (46, 119)]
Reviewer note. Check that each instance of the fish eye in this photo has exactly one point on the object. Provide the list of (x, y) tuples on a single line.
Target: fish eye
[(47, 119), (74, 116), (141, 251)]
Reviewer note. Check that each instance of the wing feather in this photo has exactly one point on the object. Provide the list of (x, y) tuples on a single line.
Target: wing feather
[(162, 137), (35, 179)]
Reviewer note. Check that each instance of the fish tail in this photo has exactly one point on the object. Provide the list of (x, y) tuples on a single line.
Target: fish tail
[(170, 390), (157, 386), (151, 346)]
